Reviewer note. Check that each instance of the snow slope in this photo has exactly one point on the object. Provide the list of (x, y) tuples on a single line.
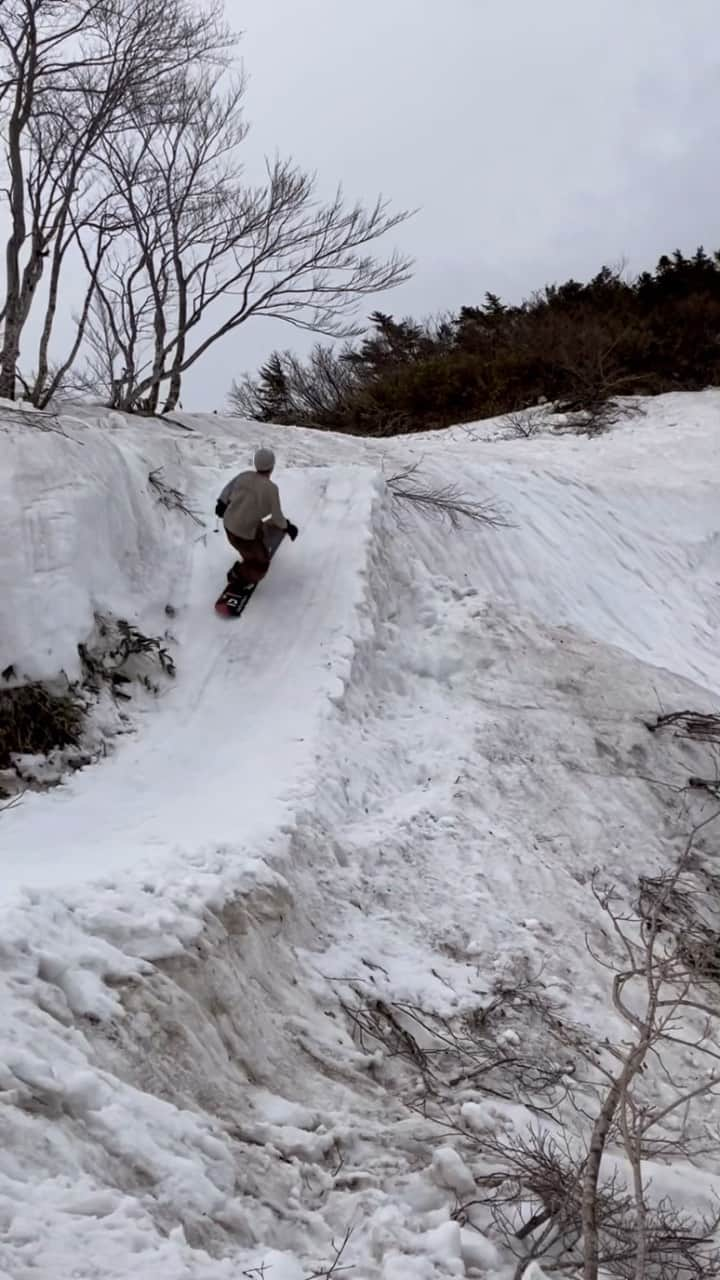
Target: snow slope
[(396, 774), (240, 715)]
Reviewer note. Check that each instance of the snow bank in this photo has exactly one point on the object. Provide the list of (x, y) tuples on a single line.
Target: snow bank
[(81, 532), (394, 775), (617, 537)]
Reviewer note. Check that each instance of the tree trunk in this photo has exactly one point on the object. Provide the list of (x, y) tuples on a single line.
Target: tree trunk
[(42, 397), (591, 1178), (20, 294), (9, 358), (175, 388), (160, 327), (20, 285), (13, 325), (182, 318), (601, 1128), (43, 368)]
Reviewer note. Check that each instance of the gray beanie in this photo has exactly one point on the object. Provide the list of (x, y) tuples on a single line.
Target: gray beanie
[(264, 459)]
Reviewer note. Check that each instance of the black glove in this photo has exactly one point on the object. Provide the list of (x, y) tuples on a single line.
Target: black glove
[(292, 530), (220, 508)]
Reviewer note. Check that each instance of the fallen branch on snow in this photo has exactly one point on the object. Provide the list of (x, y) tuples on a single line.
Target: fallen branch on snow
[(702, 727), (445, 502), (173, 499)]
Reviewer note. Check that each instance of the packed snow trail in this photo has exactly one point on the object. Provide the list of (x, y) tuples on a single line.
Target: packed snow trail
[(232, 747), (395, 775)]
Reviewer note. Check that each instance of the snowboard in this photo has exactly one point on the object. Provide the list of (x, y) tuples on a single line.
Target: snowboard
[(234, 599)]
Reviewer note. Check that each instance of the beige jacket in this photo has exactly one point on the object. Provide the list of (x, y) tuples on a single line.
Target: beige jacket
[(251, 498)]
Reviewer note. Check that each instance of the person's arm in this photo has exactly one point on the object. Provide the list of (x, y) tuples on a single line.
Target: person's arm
[(226, 494), (276, 516), (223, 501)]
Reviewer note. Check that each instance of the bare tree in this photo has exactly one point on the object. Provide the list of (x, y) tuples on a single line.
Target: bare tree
[(123, 155), (313, 392), (664, 980), (526, 423), (72, 73), (30, 37), (554, 1193), (571, 1188), (205, 253), (48, 377), (176, 182), (102, 364)]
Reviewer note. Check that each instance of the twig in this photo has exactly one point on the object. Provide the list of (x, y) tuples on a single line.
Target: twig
[(172, 498), (702, 726), (12, 803), (333, 1268)]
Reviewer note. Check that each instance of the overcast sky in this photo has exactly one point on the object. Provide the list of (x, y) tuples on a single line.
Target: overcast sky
[(538, 138)]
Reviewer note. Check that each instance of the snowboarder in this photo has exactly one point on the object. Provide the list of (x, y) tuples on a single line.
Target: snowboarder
[(245, 504)]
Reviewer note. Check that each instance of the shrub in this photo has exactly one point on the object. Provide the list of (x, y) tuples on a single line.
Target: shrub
[(584, 346), (34, 721)]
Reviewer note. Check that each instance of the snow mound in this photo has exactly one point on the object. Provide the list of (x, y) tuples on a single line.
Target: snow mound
[(81, 532)]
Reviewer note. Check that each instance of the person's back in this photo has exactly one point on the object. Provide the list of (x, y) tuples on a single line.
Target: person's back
[(251, 498), (246, 502)]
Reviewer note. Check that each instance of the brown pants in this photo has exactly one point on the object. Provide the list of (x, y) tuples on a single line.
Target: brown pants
[(255, 558)]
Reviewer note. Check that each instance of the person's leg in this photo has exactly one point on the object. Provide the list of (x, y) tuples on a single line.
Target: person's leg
[(255, 559)]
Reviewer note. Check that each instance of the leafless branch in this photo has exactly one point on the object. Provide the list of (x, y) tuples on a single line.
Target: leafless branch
[(334, 1267), (171, 497), (701, 726), (526, 423), (438, 500), (12, 803), (551, 1190), (201, 240)]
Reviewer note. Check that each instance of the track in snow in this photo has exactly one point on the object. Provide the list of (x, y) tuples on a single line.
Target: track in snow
[(232, 746)]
